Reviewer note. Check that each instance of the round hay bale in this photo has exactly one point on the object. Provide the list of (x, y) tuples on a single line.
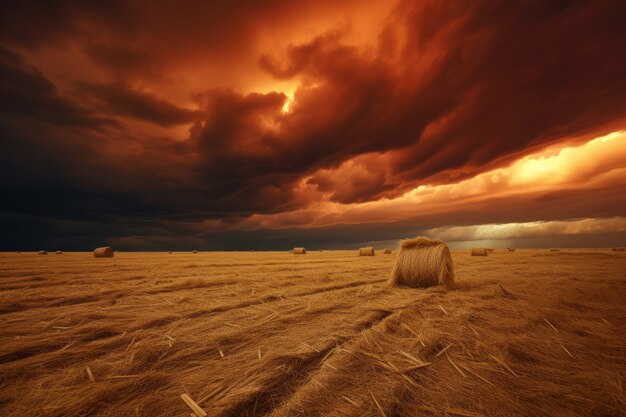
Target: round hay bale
[(490, 249), (299, 251), (103, 252), (423, 262), (479, 252), (619, 249), (194, 251), (42, 252), (510, 249), (59, 252), (387, 251), (369, 251)]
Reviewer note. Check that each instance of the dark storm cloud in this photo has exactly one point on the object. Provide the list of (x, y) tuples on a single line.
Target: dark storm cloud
[(490, 80), (122, 59), (25, 94), (122, 100), (526, 74), (24, 232), (448, 91)]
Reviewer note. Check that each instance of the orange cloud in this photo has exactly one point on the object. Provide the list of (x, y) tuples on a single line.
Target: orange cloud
[(599, 163)]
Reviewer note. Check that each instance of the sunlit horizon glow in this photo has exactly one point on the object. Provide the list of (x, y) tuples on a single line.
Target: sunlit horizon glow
[(600, 161)]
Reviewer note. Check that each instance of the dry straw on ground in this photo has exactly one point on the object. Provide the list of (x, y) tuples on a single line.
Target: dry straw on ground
[(423, 262), (387, 251), (103, 252), (335, 339), (299, 251), (479, 252), (369, 251)]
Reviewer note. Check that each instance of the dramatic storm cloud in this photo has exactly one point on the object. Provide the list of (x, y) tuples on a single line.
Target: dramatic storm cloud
[(268, 123)]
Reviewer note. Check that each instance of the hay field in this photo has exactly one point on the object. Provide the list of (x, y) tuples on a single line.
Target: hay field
[(526, 333)]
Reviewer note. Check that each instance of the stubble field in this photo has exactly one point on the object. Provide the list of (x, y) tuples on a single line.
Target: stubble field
[(525, 333)]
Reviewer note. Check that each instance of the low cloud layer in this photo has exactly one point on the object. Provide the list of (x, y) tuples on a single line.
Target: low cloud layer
[(518, 231)]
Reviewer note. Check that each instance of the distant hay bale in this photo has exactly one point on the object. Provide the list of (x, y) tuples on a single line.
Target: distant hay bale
[(103, 252), (299, 251), (490, 249), (619, 249), (194, 251), (170, 252), (423, 262), (511, 249), (59, 252), (369, 251), (479, 252), (42, 252), (387, 251)]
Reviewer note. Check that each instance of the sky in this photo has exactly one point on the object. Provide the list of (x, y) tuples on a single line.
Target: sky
[(269, 124)]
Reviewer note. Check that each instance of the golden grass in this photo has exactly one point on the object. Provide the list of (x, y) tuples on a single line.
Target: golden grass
[(270, 334)]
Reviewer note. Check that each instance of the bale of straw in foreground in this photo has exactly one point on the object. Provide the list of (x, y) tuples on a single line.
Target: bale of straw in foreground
[(42, 252), (387, 251), (479, 252), (103, 252), (423, 262), (369, 251), (619, 249), (299, 251)]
